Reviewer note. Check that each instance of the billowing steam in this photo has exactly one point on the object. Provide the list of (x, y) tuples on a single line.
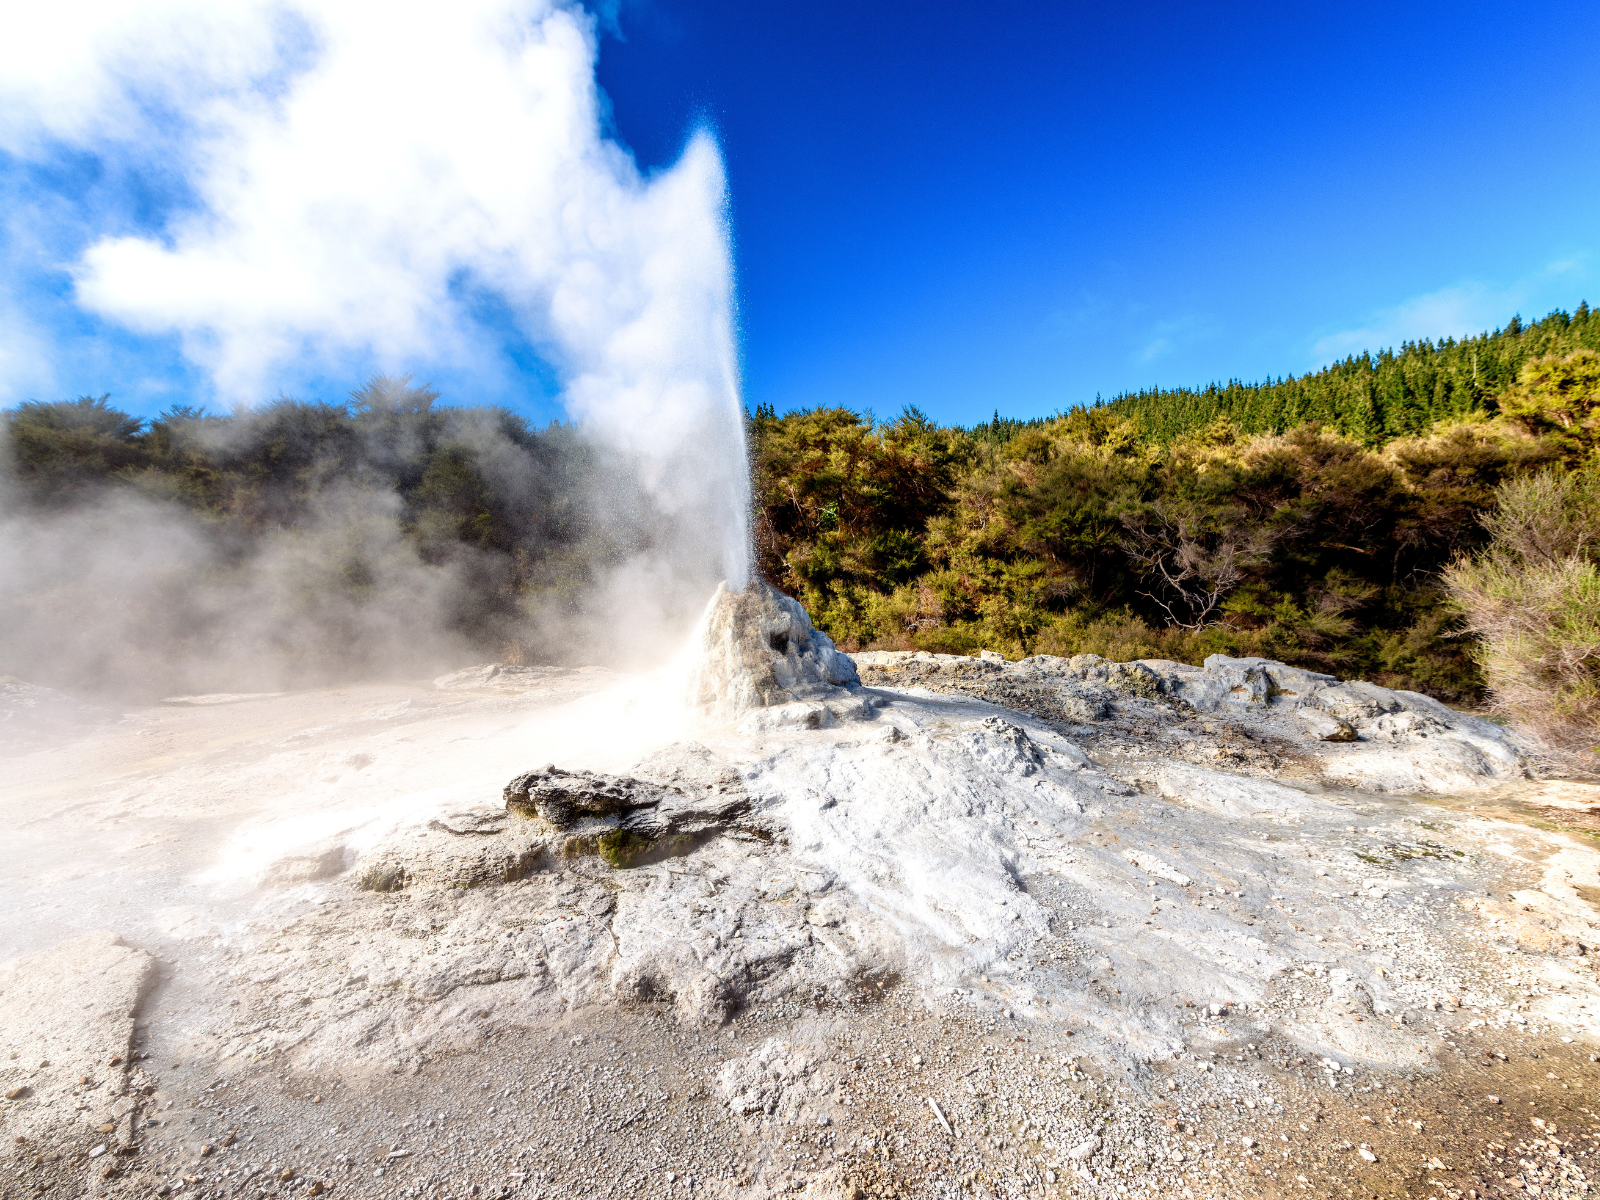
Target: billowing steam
[(361, 183)]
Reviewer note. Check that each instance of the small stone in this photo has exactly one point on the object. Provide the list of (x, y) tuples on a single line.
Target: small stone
[(207, 1150), (1367, 1155), (98, 1150), (316, 1189), (286, 1174), (1249, 1143), (672, 1177), (1084, 1149), (1326, 727), (116, 1060), (1494, 1099), (17, 1093), (1049, 1176), (108, 1127)]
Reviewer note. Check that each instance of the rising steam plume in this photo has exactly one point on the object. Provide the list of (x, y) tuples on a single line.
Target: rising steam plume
[(358, 180)]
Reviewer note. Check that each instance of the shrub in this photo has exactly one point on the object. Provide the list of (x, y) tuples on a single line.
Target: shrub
[(1533, 600)]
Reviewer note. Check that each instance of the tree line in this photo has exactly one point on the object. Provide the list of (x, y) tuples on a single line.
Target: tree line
[(1310, 520)]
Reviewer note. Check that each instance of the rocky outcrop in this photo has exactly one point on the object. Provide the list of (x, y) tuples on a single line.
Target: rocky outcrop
[(628, 820), (757, 649), (1360, 734)]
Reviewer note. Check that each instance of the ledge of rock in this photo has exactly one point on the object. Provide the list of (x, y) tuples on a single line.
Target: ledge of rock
[(1358, 733)]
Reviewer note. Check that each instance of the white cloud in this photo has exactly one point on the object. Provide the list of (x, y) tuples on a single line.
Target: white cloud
[(357, 164), (1462, 310), (1178, 333)]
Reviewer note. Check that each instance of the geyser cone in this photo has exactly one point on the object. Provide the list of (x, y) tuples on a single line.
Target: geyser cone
[(757, 647)]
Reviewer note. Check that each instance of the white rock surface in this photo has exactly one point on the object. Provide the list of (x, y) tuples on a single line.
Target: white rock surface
[(66, 1026), (757, 648), (1161, 879)]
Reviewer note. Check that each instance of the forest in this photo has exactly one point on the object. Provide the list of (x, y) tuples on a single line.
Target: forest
[(1308, 520), (1311, 520)]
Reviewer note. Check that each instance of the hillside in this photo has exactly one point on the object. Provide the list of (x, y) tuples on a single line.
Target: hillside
[(1305, 520)]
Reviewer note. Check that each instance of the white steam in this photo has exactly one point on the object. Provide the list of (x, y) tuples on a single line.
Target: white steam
[(362, 176)]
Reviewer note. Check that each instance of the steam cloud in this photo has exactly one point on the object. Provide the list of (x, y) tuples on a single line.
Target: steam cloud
[(361, 178)]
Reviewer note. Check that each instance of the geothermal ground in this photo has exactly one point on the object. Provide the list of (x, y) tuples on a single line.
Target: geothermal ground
[(923, 926)]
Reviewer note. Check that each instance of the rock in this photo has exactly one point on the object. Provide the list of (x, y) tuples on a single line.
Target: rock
[(467, 848), (1355, 701), (1146, 861), (1243, 680), (323, 860), (775, 1079), (627, 820), (1326, 727), (1232, 795), (564, 798), (483, 821), (1083, 1150), (71, 1009), (1132, 678), (757, 648), (1084, 702), (799, 715)]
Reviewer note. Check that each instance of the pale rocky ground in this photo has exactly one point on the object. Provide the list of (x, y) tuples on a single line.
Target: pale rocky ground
[(965, 927)]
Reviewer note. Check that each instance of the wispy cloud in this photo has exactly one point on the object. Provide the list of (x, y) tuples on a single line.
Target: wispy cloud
[(1460, 310), (1178, 333)]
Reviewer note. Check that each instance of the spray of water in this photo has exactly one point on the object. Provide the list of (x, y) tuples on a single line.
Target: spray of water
[(360, 184)]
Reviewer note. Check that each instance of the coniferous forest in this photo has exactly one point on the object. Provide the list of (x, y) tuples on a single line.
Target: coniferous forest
[(1306, 519)]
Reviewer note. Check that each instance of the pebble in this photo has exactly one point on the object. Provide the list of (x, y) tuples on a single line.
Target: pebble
[(98, 1150), (1084, 1149)]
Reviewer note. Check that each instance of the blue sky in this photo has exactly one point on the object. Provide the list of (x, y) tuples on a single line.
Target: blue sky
[(1014, 206), (1020, 205)]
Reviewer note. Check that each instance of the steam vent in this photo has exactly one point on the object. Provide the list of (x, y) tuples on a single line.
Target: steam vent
[(757, 648)]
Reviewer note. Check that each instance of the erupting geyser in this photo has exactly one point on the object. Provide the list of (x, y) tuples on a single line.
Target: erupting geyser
[(756, 648)]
